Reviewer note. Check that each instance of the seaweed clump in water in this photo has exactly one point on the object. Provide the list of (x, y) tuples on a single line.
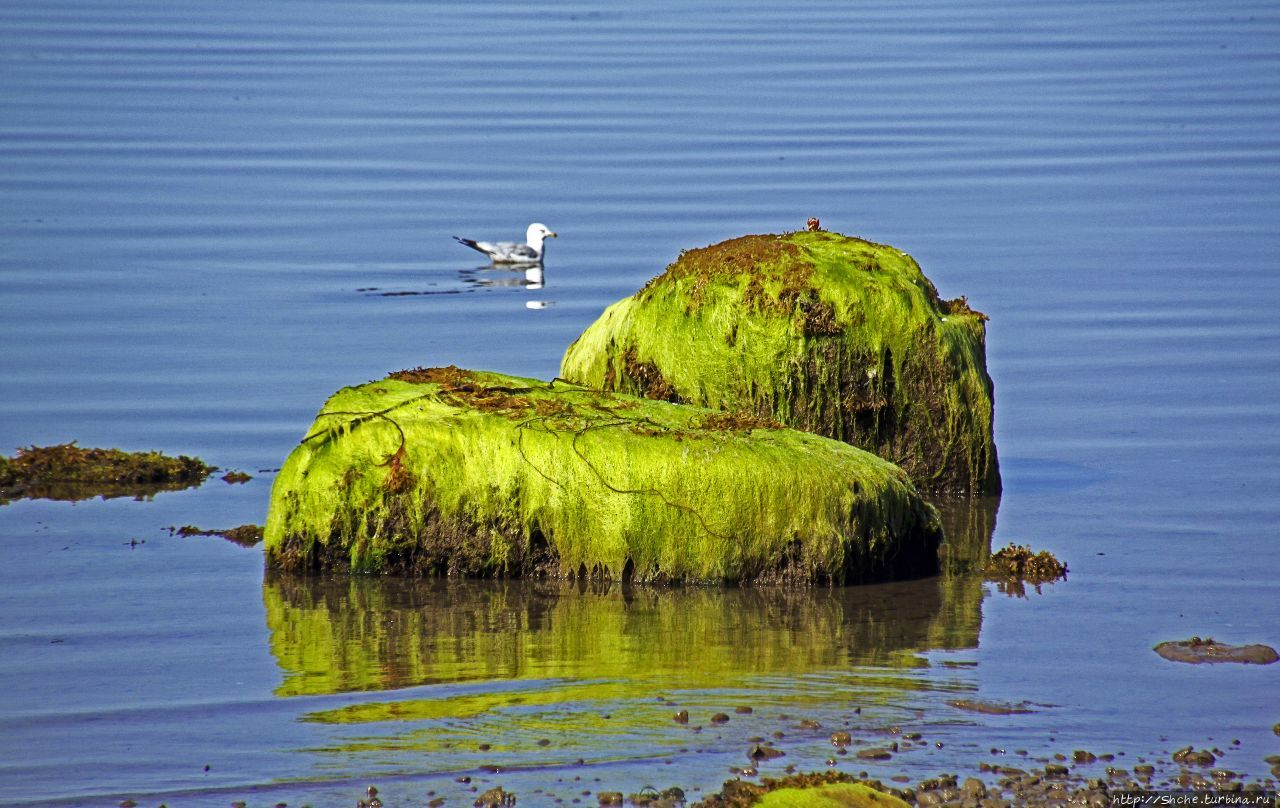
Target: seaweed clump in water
[(244, 535), (69, 472), (1014, 566)]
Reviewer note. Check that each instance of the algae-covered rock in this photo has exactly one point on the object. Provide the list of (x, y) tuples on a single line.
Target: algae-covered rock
[(823, 332), (445, 471)]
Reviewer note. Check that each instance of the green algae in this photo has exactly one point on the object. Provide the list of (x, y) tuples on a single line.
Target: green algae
[(813, 790), (833, 795), (69, 472), (822, 332), (445, 471)]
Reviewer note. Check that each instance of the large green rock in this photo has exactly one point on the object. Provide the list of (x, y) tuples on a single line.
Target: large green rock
[(823, 332), (445, 471)]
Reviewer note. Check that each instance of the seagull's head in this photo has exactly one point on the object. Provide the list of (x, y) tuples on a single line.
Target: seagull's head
[(534, 236), (536, 233)]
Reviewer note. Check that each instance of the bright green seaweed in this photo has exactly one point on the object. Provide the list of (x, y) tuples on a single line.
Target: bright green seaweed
[(445, 471), (823, 332), (832, 795)]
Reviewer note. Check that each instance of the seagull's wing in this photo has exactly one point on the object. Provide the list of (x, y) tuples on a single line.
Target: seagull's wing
[(520, 254), (503, 252)]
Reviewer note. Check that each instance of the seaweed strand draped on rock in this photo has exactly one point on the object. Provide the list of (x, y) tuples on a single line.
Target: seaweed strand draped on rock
[(446, 471), (822, 332)]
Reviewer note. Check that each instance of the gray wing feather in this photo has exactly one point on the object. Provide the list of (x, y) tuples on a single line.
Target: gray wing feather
[(506, 252)]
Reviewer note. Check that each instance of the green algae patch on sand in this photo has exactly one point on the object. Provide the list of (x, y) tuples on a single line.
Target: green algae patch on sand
[(822, 332), (816, 790), (834, 795), (446, 471), (70, 472)]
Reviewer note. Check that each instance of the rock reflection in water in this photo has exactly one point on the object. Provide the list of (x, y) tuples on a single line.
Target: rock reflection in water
[(500, 670), (332, 635), (341, 634), (968, 523)]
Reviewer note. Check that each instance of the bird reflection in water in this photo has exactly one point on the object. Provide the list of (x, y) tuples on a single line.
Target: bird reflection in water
[(529, 277)]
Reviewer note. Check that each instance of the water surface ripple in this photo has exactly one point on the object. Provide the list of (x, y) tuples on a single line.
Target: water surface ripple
[(213, 214)]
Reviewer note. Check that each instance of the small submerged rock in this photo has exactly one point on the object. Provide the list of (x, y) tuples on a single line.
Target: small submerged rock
[(989, 707), (496, 797), (1197, 651), (763, 752), (875, 753), (650, 797), (1194, 757)]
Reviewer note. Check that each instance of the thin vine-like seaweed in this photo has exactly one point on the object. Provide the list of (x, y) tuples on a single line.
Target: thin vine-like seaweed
[(651, 491), (361, 417)]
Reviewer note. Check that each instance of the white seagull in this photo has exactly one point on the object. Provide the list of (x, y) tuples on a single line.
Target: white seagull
[(509, 252)]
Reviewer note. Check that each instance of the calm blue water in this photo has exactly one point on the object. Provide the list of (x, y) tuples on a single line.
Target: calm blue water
[(204, 206)]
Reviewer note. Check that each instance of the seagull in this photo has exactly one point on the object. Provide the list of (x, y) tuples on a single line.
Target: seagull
[(509, 252)]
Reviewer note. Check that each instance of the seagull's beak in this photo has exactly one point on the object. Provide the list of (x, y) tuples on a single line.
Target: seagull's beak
[(551, 235)]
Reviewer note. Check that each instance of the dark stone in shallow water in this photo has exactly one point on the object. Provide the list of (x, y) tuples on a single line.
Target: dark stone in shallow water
[(495, 797), (1191, 756), (1196, 651)]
